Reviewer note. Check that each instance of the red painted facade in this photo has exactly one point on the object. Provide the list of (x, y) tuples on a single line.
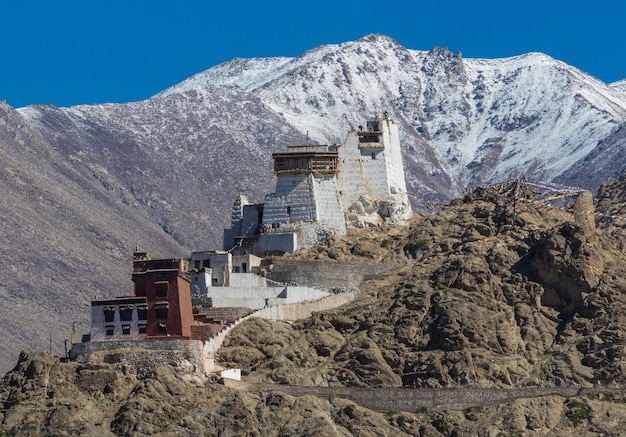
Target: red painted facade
[(167, 290)]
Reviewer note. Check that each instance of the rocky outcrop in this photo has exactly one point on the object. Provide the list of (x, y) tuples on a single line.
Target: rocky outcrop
[(487, 293), (522, 303)]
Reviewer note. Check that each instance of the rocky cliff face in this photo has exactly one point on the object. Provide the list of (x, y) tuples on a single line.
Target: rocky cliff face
[(489, 292)]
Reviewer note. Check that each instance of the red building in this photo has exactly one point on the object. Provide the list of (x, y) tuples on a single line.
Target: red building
[(167, 289)]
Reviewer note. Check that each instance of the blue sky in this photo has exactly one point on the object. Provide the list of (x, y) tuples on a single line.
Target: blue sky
[(69, 52)]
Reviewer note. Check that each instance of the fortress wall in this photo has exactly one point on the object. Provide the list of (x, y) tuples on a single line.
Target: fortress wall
[(293, 200), (247, 280), (414, 399), (374, 167), (142, 356), (302, 310), (395, 168), (350, 179), (268, 243), (324, 274)]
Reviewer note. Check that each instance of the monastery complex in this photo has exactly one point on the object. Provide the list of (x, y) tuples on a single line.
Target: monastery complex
[(183, 308)]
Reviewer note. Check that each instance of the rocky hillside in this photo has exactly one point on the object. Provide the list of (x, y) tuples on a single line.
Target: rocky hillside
[(483, 297), (487, 292)]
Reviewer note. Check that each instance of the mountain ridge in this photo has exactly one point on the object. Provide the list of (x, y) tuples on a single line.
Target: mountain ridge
[(173, 164)]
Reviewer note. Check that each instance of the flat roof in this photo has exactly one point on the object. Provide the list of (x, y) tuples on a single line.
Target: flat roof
[(124, 300)]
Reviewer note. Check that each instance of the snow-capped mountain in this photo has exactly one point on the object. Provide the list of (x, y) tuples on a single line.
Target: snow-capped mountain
[(463, 122), (466, 121)]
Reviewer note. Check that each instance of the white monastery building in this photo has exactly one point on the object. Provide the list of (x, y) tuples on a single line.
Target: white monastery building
[(320, 190)]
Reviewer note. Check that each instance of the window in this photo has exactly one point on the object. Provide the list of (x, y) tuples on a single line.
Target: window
[(109, 314), (160, 311), (373, 155), (126, 313), (125, 329), (162, 328), (109, 330), (142, 328), (142, 312), (140, 289), (161, 289), (197, 265)]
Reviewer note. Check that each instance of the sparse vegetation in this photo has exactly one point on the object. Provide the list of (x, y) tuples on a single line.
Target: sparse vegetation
[(606, 396), (472, 413), (577, 413), (10, 432), (444, 427)]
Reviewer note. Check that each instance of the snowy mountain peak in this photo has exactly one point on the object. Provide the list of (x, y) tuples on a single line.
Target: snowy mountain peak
[(463, 121), (619, 85)]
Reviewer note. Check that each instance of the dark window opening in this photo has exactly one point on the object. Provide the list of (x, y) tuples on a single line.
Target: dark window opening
[(162, 328), (373, 155), (161, 289), (244, 267), (197, 265), (140, 289), (289, 210), (126, 314), (142, 312), (125, 329), (109, 314), (142, 328), (160, 311), (110, 330)]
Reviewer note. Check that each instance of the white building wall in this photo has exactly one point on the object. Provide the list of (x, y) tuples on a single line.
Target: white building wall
[(374, 172), (247, 280), (279, 242), (254, 297), (221, 265), (200, 281), (329, 208), (393, 161), (98, 324), (350, 179)]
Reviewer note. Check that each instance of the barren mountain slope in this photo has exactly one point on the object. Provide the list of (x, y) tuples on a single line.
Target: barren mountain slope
[(179, 159), (65, 239)]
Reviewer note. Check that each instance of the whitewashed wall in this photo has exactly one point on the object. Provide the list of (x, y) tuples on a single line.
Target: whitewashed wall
[(329, 208)]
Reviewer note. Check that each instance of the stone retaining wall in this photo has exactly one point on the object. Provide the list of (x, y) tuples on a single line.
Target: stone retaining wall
[(143, 356), (324, 275), (414, 399)]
